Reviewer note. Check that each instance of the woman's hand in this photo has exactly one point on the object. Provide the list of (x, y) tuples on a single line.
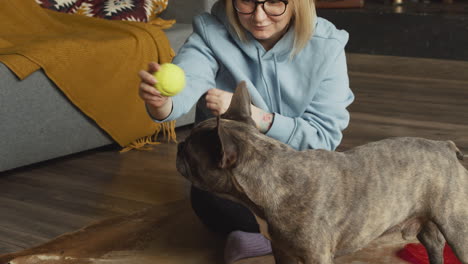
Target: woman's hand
[(158, 105), (218, 101)]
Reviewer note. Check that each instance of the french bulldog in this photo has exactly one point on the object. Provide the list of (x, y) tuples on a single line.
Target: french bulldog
[(316, 205)]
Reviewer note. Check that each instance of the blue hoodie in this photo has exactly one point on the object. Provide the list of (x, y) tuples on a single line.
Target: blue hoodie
[(308, 94)]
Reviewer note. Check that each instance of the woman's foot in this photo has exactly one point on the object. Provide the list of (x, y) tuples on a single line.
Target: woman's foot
[(240, 245)]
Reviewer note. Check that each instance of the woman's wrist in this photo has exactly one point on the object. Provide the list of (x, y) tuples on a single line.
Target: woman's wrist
[(263, 119), (160, 113)]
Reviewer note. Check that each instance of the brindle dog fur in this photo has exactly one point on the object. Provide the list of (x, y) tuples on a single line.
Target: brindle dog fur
[(320, 204)]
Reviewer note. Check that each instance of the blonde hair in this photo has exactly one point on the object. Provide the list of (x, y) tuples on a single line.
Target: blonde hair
[(303, 19)]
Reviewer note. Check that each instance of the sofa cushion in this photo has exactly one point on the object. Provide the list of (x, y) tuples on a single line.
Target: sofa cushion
[(183, 11), (130, 10)]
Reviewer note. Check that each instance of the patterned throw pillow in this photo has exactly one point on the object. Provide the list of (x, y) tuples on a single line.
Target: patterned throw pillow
[(130, 10)]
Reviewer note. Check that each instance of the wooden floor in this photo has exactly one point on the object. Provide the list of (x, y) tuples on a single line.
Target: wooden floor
[(395, 96)]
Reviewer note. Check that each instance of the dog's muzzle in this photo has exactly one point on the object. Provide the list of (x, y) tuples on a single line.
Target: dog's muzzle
[(180, 147), (181, 163)]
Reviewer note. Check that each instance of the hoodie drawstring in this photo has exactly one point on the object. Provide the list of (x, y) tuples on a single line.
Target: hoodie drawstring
[(259, 57), (275, 90), (278, 87)]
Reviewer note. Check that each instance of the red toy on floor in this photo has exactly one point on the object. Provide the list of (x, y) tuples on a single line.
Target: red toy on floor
[(416, 254)]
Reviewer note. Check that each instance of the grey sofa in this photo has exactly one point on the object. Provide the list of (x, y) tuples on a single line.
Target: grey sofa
[(38, 123)]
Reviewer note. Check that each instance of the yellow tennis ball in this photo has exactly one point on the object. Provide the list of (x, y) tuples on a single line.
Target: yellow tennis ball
[(170, 79)]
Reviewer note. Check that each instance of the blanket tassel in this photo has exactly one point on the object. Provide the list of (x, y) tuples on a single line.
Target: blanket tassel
[(146, 142)]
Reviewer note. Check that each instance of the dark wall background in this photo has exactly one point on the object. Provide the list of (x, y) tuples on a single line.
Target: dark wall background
[(426, 30)]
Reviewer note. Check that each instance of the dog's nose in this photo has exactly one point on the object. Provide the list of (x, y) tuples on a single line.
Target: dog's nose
[(180, 146)]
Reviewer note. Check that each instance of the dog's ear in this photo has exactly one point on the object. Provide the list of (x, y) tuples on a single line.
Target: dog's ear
[(228, 148), (239, 109)]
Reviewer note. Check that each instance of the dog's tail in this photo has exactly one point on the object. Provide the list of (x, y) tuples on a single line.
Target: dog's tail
[(452, 145)]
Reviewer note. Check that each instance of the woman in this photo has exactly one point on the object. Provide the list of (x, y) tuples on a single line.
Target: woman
[(295, 68)]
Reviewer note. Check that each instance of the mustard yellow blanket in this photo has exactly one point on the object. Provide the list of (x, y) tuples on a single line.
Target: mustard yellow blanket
[(95, 62)]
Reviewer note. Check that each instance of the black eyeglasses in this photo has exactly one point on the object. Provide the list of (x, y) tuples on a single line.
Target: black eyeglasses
[(271, 7)]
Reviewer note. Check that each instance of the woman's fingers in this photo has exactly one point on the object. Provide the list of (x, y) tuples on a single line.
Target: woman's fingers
[(148, 89), (218, 100), (212, 106), (147, 77), (214, 92), (154, 100), (211, 98), (153, 67), (212, 102)]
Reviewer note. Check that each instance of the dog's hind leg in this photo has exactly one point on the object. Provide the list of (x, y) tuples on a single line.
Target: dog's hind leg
[(321, 260), (318, 257), (455, 231), (433, 241), (282, 257), (451, 215)]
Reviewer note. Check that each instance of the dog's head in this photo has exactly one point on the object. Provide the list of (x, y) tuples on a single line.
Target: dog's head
[(217, 146)]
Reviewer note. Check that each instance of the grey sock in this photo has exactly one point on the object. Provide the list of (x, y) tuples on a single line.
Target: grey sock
[(240, 245)]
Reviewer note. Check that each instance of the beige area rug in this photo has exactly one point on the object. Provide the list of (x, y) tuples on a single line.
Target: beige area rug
[(168, 234)]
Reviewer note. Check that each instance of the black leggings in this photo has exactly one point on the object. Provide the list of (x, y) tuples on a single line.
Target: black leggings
[(221, 215)]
